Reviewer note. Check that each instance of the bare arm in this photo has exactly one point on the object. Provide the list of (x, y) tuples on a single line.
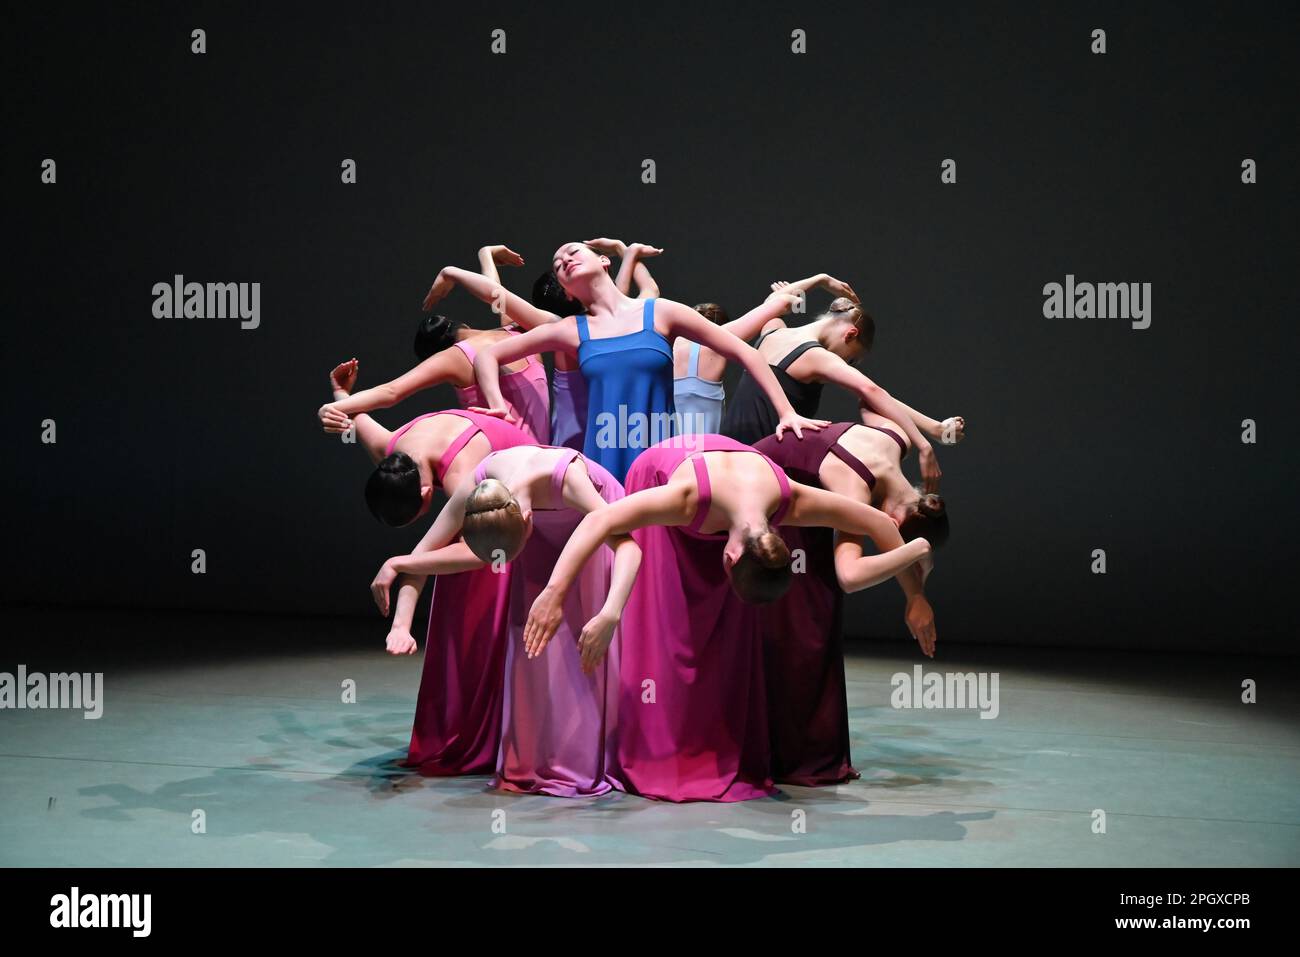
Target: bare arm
[(504, 301), (487, 362), (489, 257), (828, 367), (446, 366), (656, 506)]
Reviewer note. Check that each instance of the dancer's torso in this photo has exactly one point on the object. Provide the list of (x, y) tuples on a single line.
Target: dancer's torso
[(454, 441), (720, 473), (524, 389), (750, 415), (858, 461), (698, 400), (542, 469)]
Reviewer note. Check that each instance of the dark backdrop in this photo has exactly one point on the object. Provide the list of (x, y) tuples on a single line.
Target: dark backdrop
[(182, 434)]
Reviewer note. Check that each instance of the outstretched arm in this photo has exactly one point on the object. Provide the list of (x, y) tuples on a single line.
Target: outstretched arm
[(487, 362), (685, 321), (828, 367), (374, 437), (656, 506), (948, 432), (489, 257), (445, 366), (503, 301)]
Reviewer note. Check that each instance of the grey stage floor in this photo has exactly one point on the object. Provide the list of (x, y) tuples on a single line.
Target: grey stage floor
[(242, 720)]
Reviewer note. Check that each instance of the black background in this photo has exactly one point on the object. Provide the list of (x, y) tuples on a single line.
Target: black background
[(225, 167)]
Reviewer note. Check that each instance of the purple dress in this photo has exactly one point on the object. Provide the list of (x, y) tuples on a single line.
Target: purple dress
[(692, 708), (457, 726), (556, 721)]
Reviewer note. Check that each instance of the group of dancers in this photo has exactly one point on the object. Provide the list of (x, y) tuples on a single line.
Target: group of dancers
[(612, 611)]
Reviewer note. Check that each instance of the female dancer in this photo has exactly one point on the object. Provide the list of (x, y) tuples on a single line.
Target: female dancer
[(448, 349), (803, 359), (520, 506), (457, 727), (569, 389), (629, 368), (803, 631), (692, 712)]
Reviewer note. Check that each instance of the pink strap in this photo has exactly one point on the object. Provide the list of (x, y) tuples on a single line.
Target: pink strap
[(458, 443), (404, 429), (466, 348), (480, 473), (784, 481), (557, 477), (706, 492)]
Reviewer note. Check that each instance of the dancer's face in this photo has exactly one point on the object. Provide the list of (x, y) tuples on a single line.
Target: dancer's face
[(576, 264)]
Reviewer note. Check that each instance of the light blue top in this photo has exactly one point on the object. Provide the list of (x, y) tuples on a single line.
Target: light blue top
[(698, 401)]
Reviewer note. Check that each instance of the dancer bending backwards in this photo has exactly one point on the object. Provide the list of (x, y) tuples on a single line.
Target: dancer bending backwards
[(520, 506), (625, 354), (457, 727), (805, 358), (568, 388), (803, 631), (704, 509), (447, 348)]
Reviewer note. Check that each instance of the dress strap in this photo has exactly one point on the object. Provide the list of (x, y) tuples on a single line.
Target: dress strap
[(466, 348), (693, 363), (557, 477), (784, 481), (648, 316), (893, 435), (583, 334), (853, 462), (796, 352), (480, 473), (706, 492), (392, 442), (453, 449)]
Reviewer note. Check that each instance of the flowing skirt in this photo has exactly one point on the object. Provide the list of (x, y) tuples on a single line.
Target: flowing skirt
[(803, 649), (457, 727), (692, 718)]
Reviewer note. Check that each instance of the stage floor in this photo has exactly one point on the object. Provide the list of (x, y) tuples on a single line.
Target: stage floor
[(241, 719)]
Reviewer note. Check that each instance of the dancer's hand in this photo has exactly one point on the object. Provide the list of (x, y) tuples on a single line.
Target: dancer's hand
[(930, 473), (441, 286), (505, 256), (837, 287), (797, 423), (608, 247), (952, 430), (543, 621), (594, 640), (400, 642), (920, 622), (498, 413), (380, 587), (644, 250), (344, 376), (787, 300), (332, 420)]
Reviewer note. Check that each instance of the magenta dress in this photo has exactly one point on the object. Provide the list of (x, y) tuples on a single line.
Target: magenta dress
[(556, 721), (525, 392), (692, 710), (457, 727)]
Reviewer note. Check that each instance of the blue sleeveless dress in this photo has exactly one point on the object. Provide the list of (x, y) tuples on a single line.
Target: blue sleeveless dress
[(629, 392), (698, 401)]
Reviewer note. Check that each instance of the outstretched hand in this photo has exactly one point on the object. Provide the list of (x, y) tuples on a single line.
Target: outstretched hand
[(497, 413), (920, 622), (343, 377)]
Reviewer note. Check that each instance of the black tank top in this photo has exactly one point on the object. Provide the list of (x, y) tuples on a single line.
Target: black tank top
[(750, 416)]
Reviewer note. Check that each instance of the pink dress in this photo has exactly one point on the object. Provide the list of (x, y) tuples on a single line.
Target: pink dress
[(525, 392), (692, 711), (457, 727), (556, 720)]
